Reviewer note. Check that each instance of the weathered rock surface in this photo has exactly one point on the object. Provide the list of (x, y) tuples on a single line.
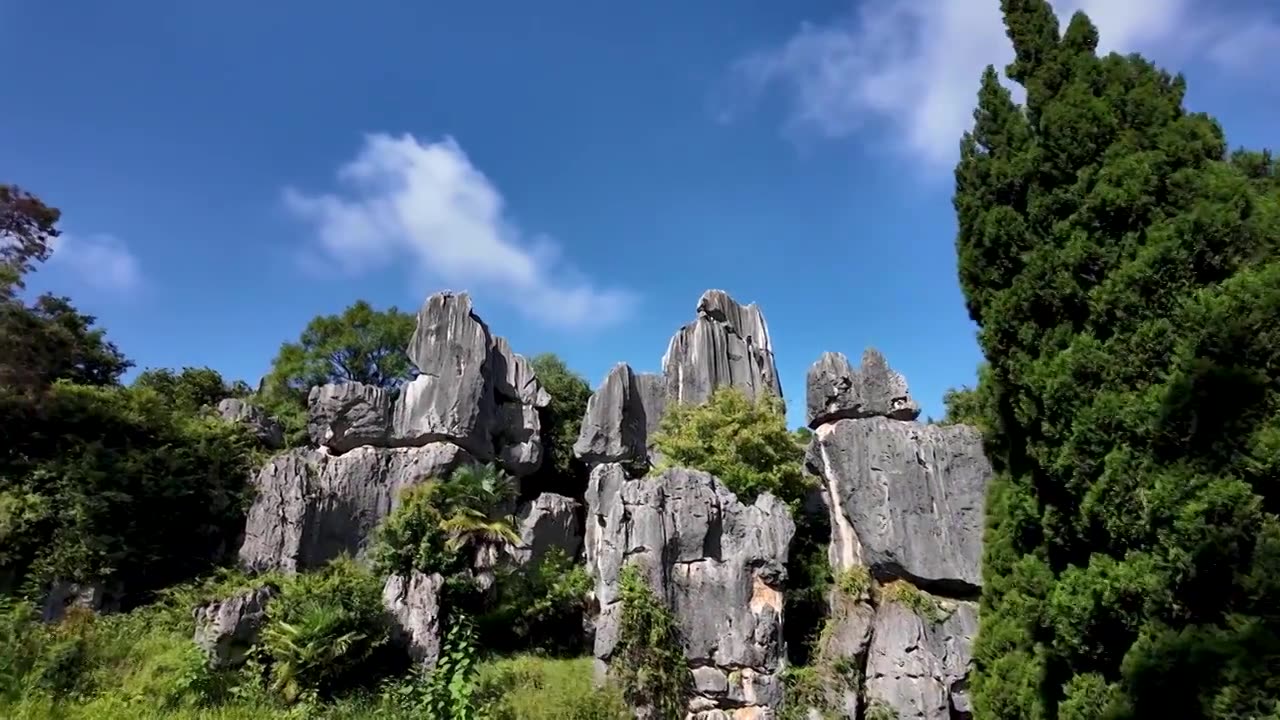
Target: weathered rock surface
[(474, 400), (920, 668), (905, 499), (264, 427), (413, 601), (345, 416), (717, 563), (726, 345), (228, 628), (547, 522), (614, 429), (64, 595), (312, 506), (836, 391)]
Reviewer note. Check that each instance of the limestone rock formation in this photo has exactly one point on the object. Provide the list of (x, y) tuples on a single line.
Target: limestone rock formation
[(905, 501), (547, 522), (718, 563), (64, 595), (228, 628), (264, 427), (344, 416), (727, 344), (835, 391), (312, 506), (413, 602), (473, 400)]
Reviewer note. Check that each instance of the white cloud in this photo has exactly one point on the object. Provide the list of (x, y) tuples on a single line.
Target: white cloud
[(102, 262), (426, 202), (913, 66)]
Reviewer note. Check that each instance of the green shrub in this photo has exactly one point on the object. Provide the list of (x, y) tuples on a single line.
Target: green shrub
[(914, 599), (323, 628), (743, 443), (854, 582), (538, 608), (648, 660)]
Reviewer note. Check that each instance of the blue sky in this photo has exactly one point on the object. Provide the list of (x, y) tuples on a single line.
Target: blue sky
[(229, 170)]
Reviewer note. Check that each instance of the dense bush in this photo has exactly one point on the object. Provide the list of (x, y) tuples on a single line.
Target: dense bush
[(323, 628), (743, 443), (1125, 276), (561, 420), (538, 608), (108, 484)]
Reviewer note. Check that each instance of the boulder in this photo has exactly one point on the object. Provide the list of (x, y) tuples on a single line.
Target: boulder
[(228, 628), (726, 345), (919, 668), (518, 438), (413, 602), (64, 595), (452, 399), (311, 506), (344, 416), (835, 391), (515, 378), (264, 427), (718, 563), (905, 499), (546, 522)]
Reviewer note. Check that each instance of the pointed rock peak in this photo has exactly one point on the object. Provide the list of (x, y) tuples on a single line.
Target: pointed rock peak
[(836, 391), (746, 321), (446, 321)]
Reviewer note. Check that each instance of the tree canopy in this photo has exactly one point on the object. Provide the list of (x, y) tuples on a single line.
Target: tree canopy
[(745, 444), (359, 345), (560, 421), (1124, 274)]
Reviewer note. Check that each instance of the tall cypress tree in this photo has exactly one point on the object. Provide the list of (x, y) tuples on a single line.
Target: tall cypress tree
[(1125, 274)]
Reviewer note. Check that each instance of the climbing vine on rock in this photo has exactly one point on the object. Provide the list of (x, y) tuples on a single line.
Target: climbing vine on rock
[(648, 662)]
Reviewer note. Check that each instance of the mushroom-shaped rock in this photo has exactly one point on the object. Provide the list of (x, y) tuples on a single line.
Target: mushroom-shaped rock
[(836, 391), (264, 427), (344, 416)]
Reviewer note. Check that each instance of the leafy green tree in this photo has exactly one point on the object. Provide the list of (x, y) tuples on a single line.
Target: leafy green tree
[(743, 443), (968, 405), (192, 389), (1125, 277), (51, 340), (27, 230), (359, 345), (648, 660), (560, 421)]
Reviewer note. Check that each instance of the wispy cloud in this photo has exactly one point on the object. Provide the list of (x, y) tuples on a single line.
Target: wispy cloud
[(404, 199), (101, 262), (911, 67)]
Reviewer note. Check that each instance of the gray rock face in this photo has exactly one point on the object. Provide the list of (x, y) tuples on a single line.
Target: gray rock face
[(413, 603), (473, 400), (264, 427), (312, 506), (228, 628), (836, 391), (547, 522), (919, 668), (717, 563), (726, 345), (345, 416), (614, 429), (452, 399), (64, 595), (906, 499)]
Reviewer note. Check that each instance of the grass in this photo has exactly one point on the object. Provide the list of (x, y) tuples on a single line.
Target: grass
[(914, 599)]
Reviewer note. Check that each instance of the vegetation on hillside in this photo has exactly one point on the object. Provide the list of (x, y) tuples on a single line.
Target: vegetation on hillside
[(1123, 270)]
